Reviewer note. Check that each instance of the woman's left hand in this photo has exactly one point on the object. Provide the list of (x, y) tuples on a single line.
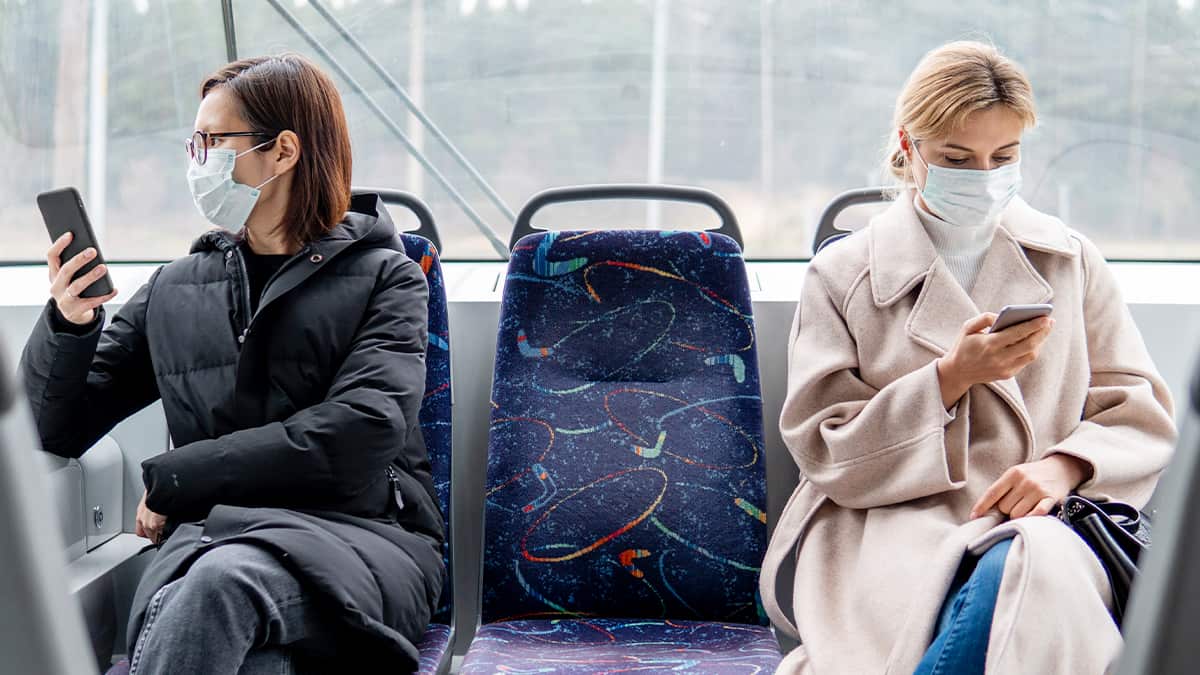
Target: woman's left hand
[(149, 524), (1033, 489)]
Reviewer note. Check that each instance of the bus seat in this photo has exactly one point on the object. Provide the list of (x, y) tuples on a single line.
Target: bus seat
[(434, 415), (1164, 606), (435, 408), (422, 245), (435, 427), (827, 230), (625, 506), (42, 628)]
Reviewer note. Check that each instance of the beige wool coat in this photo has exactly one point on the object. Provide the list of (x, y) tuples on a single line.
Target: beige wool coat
[(867, 546)]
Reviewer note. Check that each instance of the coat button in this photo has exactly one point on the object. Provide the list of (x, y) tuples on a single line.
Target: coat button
[(206, 539), (316, 258), (242, 339), (228, 255)]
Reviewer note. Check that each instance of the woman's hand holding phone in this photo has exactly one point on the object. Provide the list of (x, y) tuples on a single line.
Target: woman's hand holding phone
[(75, 309), (979, 357)]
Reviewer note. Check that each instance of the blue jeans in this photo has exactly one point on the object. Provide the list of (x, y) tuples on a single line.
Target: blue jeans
[(237, 611), (961, 642)]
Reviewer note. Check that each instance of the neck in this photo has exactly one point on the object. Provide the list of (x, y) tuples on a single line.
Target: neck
[(949, 238), (263, 233)]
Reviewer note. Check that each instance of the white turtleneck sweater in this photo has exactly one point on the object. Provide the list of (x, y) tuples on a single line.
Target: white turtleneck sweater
[(961, 248)]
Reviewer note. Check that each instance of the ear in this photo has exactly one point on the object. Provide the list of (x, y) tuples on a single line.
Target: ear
[(286, 151), (904, 144)]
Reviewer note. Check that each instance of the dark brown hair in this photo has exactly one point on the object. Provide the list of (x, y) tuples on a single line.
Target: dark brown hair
[(289, 93)]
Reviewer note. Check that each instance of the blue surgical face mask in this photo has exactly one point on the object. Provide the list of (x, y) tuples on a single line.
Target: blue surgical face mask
[(969, 197), (223, 201)]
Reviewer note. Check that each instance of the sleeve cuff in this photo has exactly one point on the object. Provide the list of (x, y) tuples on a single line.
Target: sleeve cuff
[(59, 324), (179, 481)]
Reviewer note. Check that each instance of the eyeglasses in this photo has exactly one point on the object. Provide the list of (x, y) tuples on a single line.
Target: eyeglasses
[(197, 145)]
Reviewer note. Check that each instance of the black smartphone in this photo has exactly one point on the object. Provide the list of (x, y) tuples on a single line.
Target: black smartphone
[(1012, 315), (63, 212)]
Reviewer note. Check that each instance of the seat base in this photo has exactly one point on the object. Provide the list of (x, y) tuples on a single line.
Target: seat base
[(433, 647), (621, 645)]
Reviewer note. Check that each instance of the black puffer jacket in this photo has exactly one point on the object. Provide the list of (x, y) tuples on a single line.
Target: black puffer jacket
[(290, 427)]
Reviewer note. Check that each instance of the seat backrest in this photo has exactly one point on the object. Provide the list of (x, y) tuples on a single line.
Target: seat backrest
[(1164, 607), (827, 230), (625, 465), (435, 408), (41, 627)]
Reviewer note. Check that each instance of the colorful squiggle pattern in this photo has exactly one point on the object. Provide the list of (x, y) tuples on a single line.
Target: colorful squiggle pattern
[(610, 646), (433, 647), (435, 407), (625, 466)]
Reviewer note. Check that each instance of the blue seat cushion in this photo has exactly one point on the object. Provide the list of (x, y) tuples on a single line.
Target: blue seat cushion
[(621, 645), (433, 647)]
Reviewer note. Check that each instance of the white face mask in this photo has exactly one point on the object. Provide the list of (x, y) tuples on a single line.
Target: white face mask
[(223, 201), (969, 197)]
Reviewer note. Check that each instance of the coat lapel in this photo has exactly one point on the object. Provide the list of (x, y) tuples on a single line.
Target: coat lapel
[(902, 256)]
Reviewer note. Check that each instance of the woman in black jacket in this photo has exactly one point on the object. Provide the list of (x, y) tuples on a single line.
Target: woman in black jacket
[(296, 514)]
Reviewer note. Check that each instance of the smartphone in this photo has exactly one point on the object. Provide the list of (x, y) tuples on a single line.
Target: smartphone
[(63, 212), (1012, 315)]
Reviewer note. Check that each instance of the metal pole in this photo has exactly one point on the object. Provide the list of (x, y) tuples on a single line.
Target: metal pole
[(1137, 95), (497, 243), (230, 36), (766, 87), (416, 80), (169, 33), (97, 183), (658, 109), (415, 109)]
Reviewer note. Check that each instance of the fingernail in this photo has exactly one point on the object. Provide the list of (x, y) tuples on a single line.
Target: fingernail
[(90, 252)]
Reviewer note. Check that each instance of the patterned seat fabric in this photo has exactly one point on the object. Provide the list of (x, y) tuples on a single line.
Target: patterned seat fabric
[(433, 647), (435, 425), (621, 646), (625, 467)]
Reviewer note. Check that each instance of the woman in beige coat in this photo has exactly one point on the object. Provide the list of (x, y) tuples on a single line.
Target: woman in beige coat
[(923, 441)]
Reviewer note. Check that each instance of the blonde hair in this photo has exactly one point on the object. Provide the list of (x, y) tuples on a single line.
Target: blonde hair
[(950, 83)]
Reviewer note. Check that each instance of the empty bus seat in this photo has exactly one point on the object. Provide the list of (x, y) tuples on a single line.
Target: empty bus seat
[(625, 501)]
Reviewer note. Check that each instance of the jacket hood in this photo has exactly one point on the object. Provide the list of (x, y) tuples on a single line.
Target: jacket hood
[(366, 223)]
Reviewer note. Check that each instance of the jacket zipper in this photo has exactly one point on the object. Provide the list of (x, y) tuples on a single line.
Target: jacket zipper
[(245, 283), (394, 479), (249, 319)]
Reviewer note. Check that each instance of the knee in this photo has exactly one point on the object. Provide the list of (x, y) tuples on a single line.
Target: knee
[(231, 570), (1058, 563)]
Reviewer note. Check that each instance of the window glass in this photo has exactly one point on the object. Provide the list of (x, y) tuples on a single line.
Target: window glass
[(100, 96), (776, 106)]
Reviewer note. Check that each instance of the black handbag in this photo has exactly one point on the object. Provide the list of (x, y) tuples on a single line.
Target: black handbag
[(1117, 533)]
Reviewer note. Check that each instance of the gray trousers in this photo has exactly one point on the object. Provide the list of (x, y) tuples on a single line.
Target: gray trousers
[(235, 611)]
